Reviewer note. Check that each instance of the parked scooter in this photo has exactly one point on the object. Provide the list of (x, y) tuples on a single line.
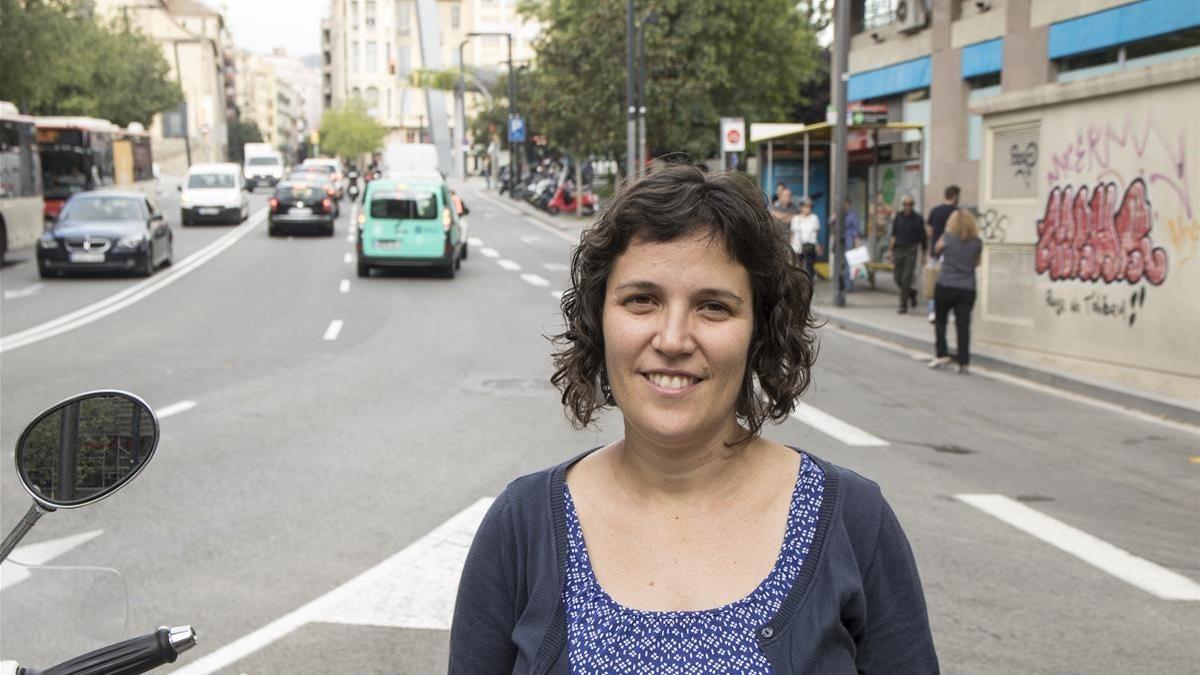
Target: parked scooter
[(564, 201), (75, 454)]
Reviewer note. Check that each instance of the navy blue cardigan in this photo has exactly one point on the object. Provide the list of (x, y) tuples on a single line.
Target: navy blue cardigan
[(856, 606)]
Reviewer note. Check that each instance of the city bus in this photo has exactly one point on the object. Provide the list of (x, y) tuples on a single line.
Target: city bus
[(77, 155), (20, 180)]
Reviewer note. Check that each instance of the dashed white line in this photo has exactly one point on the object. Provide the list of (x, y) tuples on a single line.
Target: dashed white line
[(348, 258), (350, 237), (531, 239), (509, 265), (1149, 577), (832, 426), (335, 327), (475, 241), (344, 286), (24, 292), (534, 279), (556, 267), (174, 409), (489, 252)]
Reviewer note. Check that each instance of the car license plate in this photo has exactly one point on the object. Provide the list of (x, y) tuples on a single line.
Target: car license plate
[(209, 211), (300, 211), (387, 245), (87, 257)]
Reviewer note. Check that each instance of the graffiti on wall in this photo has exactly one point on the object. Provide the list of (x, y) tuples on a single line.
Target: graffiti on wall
[(992, 227), (1088, 236), (1023, 160), (1099, 304)]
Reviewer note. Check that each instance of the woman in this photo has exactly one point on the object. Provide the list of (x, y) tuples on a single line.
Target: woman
[(692, 543), (961, 250), (804, 230)]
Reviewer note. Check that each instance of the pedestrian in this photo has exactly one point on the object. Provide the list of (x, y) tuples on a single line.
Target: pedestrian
[(784, 209), (805, 228), (906, 248), (852, 237), (691, 543), (938, 216), (877, 237), (961, 250)]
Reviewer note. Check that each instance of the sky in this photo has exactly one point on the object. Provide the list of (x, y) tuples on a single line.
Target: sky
[(262, 25)]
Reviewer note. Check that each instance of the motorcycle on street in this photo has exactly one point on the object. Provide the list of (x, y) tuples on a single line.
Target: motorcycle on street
[(73, 455), (352, 189), (564, 201)]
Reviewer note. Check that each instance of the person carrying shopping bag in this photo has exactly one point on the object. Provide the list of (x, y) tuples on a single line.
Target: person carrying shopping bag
[(961, 250)]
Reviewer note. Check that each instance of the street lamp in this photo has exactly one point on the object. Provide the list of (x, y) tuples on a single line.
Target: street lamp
[(651, 18), (512, 102)]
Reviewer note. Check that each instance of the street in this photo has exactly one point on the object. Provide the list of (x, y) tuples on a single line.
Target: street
[(324, 424)]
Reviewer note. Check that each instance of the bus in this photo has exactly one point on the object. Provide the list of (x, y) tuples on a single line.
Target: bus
[(20, 180), (77, 155), (133, 161)]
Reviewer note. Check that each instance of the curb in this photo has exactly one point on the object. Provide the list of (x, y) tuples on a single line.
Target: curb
[(565, 223), (1176, 411)]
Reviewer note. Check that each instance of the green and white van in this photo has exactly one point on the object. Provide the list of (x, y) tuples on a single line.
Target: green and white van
[(410, 222)]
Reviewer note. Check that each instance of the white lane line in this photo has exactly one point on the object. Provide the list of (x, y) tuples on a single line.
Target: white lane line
[(24, 292), (344, 286), (556, 267), (571, 239), (832, 426), (557, 294), (335, 327), (530, 239), (475, 241), (489, 252), (509, 265), (414, 588), (535, 280), (121, 300), (174, 409), (350, 237), (14, 570), (348, 258), (1149, 577)]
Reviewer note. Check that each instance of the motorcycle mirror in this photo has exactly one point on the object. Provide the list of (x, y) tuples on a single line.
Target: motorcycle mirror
[(86, 448)]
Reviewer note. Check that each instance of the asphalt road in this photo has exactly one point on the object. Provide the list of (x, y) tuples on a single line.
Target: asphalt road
[(307, 461)]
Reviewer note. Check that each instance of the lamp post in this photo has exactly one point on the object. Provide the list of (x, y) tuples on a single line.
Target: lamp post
[(651, 18), (630, 77), (512, 98)]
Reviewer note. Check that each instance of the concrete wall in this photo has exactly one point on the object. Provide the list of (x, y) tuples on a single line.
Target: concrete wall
[(1099, 259)]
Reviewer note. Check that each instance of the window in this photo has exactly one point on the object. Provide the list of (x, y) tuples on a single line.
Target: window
[(403, 9), (979, 89), (372, 100), (357, 93), (1179, 45), (403, 62), (369, 13), (878, 13), (1015, 161), (372, 57), (354, 13), (354, 57), (405, 206), (455, 16)]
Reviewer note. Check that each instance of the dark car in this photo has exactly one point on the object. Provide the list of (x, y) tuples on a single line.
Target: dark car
[(301, 204), (319, 176), (106, 231)]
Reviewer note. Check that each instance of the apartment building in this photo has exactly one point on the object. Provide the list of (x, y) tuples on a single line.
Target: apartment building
[(1071, 126)]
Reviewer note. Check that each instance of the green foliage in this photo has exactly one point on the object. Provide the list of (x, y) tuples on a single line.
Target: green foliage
[(249, 132), (56, 60), (706, 59), (349, 131), (444, 80)]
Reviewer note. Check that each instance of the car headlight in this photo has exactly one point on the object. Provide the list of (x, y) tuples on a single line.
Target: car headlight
[(47, 241), (132, 241)]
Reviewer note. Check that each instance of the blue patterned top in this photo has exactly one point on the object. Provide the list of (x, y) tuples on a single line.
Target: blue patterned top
[(606, 637)]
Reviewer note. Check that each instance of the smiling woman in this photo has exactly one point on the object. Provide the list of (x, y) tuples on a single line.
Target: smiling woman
[(689, 544)]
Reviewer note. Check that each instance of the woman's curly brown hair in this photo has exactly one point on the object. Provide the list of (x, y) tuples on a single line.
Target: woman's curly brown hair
[(670, 203)]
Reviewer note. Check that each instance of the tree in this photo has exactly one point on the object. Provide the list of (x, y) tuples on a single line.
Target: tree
[(55, 59), (349, 131), (707, 59)]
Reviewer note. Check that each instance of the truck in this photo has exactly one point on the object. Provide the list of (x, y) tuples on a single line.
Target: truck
[(263, 165)]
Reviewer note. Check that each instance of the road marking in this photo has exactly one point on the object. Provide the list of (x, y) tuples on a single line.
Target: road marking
[(1149, 577), (531, 238), (348, 258), (535, 280), (832, 426), (489, 252), (509, 209), (350, 237), (475, 241), (557, 294), (556, 267), (15, 569), (414, 588), (344, 286), (174, 409), (139, 291), (335, 327), (24, 292), (509, 265), (538, 224)]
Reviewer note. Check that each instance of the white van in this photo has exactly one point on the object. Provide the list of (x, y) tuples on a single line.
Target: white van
[(410, 158), (263, 165), (213, 193)]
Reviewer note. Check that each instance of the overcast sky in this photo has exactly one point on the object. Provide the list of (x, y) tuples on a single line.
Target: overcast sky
[(262, 25)]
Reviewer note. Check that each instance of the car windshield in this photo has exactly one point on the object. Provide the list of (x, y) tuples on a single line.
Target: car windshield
[(210, 180), (405, 206), (263, 161), (296, 192), (322, 168), (102, 208), (310, 176)]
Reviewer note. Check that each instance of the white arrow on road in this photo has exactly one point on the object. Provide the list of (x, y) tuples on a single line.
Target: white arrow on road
[(24, 292), (40, 553)]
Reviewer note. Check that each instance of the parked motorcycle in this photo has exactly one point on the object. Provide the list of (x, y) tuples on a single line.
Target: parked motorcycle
[(564, 201), (73, 455)]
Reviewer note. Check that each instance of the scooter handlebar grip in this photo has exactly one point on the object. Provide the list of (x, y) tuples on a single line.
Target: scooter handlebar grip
[(133, 656)]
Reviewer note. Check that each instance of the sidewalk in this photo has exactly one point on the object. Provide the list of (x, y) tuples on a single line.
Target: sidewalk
[(873, 312)]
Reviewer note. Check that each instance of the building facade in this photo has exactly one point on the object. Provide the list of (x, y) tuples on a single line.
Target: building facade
[(1064, 124)]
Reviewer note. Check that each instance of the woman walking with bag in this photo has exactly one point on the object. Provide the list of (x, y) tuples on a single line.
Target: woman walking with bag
[(961, 250)]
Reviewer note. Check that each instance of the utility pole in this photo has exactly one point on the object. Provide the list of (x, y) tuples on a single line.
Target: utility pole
[(631, 109), (512, 102), (651, 19), (841, 40), (460, 109)]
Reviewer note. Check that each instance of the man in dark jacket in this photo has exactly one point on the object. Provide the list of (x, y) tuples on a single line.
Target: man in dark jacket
[(906, 249)]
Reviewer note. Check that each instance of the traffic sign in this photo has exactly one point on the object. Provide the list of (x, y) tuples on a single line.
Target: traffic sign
[(516, 129), (733, 134)]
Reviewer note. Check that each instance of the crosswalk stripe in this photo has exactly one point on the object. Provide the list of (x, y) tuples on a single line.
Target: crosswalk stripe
[(832, 426)]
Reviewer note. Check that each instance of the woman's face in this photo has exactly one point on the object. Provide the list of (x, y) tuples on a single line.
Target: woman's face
[(678, 319)]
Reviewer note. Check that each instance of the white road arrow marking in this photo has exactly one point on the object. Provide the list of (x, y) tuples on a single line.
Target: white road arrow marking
[(39, 554), (24, 292)]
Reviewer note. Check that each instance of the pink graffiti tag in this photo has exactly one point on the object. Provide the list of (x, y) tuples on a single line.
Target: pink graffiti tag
[(1088, 237)]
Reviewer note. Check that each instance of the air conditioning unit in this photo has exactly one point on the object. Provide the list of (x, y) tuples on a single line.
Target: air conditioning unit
[(911, 15)]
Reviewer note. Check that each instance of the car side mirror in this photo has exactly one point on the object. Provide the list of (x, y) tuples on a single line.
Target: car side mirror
[(179, 188)]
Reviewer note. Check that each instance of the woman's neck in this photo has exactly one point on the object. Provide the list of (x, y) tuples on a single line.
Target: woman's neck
[(705, 471)]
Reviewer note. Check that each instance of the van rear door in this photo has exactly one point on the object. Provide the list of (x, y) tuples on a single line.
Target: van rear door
[(406, 224)]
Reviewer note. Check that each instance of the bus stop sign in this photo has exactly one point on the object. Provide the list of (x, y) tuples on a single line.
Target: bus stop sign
[(516, 129)]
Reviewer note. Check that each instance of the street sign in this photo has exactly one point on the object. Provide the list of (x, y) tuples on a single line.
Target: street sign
[(733, 134), (516, 129)]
